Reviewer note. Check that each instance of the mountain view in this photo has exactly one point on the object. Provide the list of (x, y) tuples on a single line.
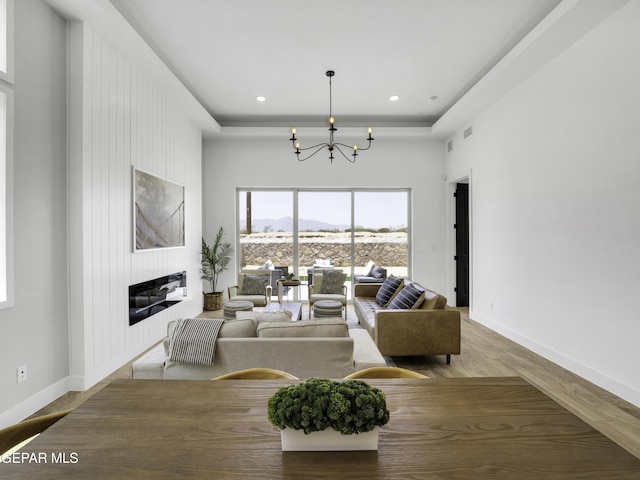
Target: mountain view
[(285, 224)]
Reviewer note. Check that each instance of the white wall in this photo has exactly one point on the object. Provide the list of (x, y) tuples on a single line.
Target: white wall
[(73, 214), (392, 162), (122, 121), (34, 330), (555, 170)]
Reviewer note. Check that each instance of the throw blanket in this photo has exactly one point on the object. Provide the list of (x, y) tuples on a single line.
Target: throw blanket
[(193, 340)]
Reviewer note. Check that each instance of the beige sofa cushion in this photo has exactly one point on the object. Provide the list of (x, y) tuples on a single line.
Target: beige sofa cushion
[(283, 316), (238, 328), (330, 327), (433, 300), (302, 357), (245, 328), (229, 329)]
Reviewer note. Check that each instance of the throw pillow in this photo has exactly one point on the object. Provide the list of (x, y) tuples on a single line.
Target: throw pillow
[(378, 272), (388, 289), (409, 297), (332, 282), (255, 284), (368, 269)]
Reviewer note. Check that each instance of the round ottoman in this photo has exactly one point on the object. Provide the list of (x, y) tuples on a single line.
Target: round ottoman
[(230, 308), (327, 308)]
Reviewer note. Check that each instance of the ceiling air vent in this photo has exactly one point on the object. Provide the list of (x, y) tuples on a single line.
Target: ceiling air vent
[(449, 145), (467, 132)]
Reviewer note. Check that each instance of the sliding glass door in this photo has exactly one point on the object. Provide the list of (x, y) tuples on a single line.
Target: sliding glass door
[(298, 229), (380, 230)]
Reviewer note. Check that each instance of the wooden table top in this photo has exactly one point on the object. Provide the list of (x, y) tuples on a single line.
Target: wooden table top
[(462, 428)]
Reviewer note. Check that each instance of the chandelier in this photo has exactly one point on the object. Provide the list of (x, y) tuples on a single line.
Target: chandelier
[(331, 145)]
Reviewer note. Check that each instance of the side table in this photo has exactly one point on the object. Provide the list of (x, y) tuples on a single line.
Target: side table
[(286, 283)]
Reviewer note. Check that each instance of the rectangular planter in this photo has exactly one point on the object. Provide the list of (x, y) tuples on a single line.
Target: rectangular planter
[(327, 440)]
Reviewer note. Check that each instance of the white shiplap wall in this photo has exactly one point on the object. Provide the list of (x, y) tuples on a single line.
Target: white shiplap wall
[(120, 119)]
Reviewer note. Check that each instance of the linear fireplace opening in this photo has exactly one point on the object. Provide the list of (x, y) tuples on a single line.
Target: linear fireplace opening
[(153, 296)]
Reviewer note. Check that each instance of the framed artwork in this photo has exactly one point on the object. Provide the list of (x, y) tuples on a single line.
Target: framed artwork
[(158, 212)]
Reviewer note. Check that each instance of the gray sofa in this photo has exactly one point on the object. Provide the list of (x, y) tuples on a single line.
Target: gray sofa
[(429, 327), (322, 348)]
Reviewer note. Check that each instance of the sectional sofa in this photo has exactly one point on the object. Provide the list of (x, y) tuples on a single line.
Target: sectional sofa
[(319, 348), (402, 328)]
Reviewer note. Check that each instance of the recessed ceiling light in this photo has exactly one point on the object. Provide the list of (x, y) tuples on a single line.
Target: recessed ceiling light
[(261, 98), (394, 98)]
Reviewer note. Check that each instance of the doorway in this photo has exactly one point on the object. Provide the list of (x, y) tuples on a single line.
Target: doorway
[(462, 244)]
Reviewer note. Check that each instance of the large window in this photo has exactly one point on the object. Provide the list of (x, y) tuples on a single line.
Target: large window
[(298, 229), (6, 97), (6, 40), (6, 139)]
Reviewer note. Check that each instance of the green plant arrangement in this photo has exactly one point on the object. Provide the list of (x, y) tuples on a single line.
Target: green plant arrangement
[(349, 407), (215, 259)]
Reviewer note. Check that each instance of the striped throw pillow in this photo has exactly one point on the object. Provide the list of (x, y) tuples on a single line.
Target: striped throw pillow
[(409, 297), (388, 289)]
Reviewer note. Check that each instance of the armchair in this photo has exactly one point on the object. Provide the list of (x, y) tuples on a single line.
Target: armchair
[(253, 286), (328, 285)]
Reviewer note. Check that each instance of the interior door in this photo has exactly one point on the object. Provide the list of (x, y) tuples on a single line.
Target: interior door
[(462, 244)]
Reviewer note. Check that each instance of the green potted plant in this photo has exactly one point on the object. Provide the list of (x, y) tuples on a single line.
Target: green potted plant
[(324, 414), (215, 259)]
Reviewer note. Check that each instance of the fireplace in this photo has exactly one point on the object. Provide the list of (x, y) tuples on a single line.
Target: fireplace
[(153, 296)]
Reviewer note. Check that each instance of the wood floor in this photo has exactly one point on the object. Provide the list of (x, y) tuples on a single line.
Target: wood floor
[(488, 354)]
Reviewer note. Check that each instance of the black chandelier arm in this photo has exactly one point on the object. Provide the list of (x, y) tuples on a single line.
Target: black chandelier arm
[(336, 146), (319, 147), (360, 149), (312, 147)]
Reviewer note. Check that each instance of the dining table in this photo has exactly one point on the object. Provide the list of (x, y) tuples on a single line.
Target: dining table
[(439, 428)]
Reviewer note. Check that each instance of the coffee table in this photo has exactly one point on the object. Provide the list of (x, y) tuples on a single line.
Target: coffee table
[(294, 307)]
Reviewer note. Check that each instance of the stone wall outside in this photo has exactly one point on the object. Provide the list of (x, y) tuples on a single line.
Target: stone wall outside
[(385, 249)]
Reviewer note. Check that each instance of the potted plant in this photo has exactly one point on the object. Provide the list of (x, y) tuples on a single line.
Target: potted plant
[(324, 414), (215, 259)]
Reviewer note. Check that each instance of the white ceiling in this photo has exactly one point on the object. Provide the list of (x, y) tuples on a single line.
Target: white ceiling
[(466, 53), (229, 51)]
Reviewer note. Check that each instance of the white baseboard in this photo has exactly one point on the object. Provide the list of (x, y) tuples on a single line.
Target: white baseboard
[(34, 403), (610, 384)]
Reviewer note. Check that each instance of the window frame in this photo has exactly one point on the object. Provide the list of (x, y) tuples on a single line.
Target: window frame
[(6, 192), (351, 190), (6, 42)]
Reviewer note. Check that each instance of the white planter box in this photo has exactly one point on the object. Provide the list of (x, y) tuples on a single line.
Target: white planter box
[(327, 440)]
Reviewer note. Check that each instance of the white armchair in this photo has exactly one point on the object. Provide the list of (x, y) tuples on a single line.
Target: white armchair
[(328, 284), (253, 286)]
